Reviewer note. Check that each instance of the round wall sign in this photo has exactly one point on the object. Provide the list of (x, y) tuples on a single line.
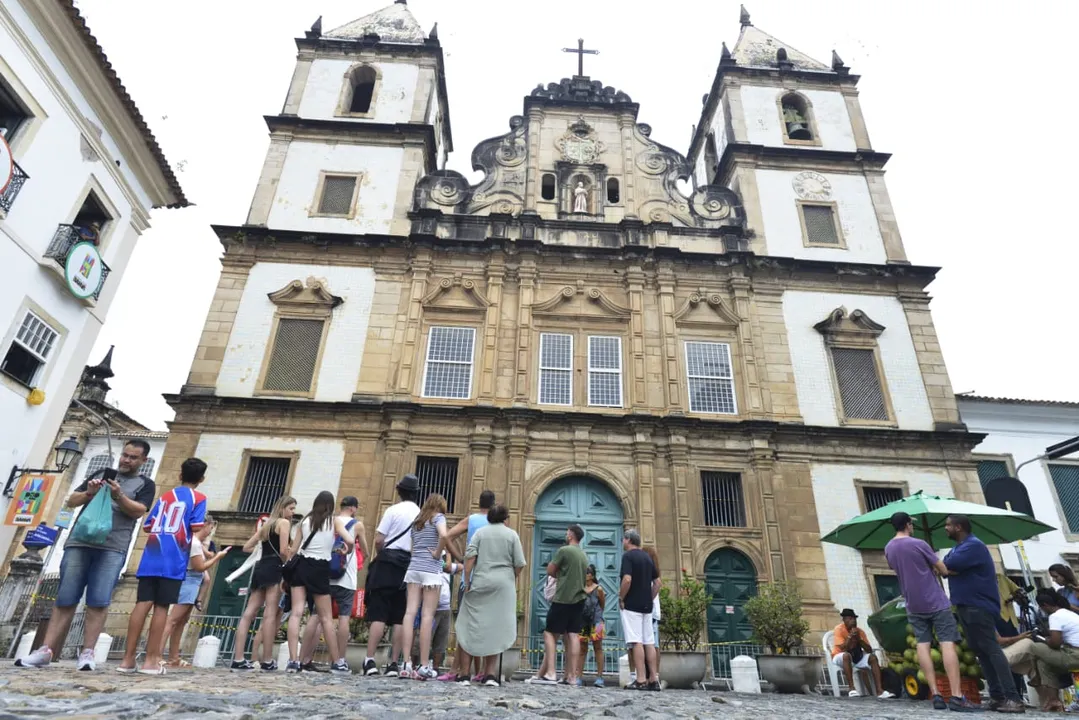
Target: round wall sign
[(83, 270), (7, 164)]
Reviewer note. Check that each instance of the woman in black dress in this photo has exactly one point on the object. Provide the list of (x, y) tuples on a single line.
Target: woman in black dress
[(273, 537)]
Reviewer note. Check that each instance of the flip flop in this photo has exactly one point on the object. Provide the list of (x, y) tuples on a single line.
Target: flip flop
[(159, 671), (126, 671)]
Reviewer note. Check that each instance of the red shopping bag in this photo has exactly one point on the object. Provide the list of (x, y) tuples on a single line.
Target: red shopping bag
[(357, 606)]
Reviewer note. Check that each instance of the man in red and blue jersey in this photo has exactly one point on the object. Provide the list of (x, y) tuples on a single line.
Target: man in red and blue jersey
[(172, 522)]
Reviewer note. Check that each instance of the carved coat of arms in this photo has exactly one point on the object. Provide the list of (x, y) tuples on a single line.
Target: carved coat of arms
[(579, 145)]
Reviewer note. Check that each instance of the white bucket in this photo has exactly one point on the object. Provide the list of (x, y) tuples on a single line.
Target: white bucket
[(623, 671), (282, 656), (744, 677), (25, 643), (101, 648), (206, 652)]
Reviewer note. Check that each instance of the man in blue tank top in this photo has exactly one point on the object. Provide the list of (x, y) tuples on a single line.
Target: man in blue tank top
[(468, 527)]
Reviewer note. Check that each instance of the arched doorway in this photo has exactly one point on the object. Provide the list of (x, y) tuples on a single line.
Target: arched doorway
[(731, 579), (591, 504)]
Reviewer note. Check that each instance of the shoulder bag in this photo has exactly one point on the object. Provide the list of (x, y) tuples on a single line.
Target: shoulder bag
[(289, 566), (388, 568)]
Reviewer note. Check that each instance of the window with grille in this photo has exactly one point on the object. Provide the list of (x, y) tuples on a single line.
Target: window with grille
[(147, 468), (97, 462), (859, 384), (295, 354), (1066, 481), (723, 503), (437, 475), (877, 497), (29, 350), (264, 483), (12, 113), (556, 369), (991, 470), (449, 363), (337, 193), (711, 380), (820, 225), (605, 371)]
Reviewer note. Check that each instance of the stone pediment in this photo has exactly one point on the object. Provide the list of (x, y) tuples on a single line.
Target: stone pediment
[(456, 294), (707, 310), (311, 298), (855, 326), (581, 303)]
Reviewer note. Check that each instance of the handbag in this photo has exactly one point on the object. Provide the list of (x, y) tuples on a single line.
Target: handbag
[(95, 521), (389, 566), (550, 588), (289, 566)]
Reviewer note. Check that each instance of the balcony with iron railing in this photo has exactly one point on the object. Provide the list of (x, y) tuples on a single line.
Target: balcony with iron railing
[(18, 179), (66, 238)]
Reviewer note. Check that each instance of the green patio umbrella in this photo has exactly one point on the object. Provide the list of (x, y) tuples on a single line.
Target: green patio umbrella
[(994, 526)]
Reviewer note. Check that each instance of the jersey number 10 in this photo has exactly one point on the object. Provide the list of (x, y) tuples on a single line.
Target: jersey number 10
[(170, 519)]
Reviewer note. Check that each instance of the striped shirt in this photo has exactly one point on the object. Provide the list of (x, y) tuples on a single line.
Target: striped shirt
[(423, 542)]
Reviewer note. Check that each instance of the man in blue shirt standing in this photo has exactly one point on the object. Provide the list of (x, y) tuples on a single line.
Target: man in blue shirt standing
[(972, 578)]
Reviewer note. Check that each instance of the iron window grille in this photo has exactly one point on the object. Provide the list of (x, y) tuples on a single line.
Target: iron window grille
[(724, 505), (295, 354), (820, 225), (991, 470), (97, 462), (437, 475), (859, 384), (1066, 481), (337, 194), (264, 483), (877, 497)]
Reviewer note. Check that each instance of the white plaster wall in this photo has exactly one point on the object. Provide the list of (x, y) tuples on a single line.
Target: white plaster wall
[(392, 103), (343, 355), (318, 468), (295, 197), (857, 218), (837, 501), (763, 121), (1024, 431), (813, 376)]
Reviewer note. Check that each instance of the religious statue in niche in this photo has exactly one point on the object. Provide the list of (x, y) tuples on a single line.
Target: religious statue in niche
[(580, 198)]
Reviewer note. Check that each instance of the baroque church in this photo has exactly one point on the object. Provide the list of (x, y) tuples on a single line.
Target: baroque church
[(734, 369)]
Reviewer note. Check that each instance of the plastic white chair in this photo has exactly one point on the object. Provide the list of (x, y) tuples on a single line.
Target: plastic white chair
[(833, 669)]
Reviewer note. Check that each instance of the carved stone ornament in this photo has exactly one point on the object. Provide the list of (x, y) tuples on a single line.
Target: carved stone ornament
[(703, 308), (456, 293), (581, 302), (312, 298), (811, 185), (579, 145), (855, 327)]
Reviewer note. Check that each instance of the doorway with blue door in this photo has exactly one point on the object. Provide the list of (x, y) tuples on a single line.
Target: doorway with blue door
[(588, 502)]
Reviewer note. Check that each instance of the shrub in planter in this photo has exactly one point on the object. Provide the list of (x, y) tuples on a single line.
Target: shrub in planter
[(683, 614), (776, 617)]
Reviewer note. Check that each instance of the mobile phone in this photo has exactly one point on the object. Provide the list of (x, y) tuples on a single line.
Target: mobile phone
[(108, 474)]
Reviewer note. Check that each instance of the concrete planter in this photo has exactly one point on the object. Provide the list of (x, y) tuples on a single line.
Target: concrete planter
[(788, 673), (683, 670), (355, 655), (511, 663)]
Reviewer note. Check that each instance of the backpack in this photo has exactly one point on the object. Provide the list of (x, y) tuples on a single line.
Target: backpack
[(338, 556), (593, 613)]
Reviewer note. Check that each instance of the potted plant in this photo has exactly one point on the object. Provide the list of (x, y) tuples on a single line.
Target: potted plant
[(775, 614), (682, 620)]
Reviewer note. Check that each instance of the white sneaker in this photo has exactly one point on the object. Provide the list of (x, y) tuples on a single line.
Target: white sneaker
[(38, 659), (885, 695), (426, 673), (854, 693), (86, 660)]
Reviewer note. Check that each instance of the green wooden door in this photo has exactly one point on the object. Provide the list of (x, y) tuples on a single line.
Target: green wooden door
[(590, 504), (227, 600), (730, 579)]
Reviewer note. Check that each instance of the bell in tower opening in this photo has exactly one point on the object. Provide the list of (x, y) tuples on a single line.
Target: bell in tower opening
[(796, 117)]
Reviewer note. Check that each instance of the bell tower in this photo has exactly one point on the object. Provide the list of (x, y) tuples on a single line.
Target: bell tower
[(366, 115)]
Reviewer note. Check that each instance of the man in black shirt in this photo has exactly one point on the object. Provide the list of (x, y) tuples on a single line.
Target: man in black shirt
[(640, 583)]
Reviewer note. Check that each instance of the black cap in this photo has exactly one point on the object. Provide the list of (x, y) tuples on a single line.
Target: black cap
[(409, 483), (900, 520), (349, 501), (847, 612)]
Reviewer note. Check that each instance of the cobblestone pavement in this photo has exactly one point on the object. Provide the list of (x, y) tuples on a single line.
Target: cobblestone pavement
[(63, 692)]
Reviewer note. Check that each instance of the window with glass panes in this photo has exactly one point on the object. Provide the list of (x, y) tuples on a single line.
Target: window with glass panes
[(605, 371), (29, 350), (556, 369), (1066, 482), (448, 372), (711, 378)]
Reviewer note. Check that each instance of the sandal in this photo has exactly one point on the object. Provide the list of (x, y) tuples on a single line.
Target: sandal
[(160, 670), (198, 605)]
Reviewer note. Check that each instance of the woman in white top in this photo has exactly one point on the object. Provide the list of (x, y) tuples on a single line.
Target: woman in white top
[(1050, 662), (199, 562), (311, 574)]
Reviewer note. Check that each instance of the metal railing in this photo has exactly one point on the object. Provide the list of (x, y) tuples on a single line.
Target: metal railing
[(67, 237), (18, 179)]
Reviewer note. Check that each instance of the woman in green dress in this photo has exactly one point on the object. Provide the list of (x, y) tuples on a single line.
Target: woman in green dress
[(487, 619)]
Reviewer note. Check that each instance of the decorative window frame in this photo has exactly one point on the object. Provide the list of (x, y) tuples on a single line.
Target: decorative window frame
[(872, 572), (245, 461), (344, 100), (855, 331), (806, 242), (425, 349), (320, 186), (26, 306), (734, 383), (750, 489), (298, 301), (705, 317), (811, 119), (860, 486), (92, 185), (24, 137)]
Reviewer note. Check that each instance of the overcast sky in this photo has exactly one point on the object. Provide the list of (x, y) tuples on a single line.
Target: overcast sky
[(972, 99)]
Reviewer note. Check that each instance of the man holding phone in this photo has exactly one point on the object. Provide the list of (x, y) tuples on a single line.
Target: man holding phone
[(95, 569)]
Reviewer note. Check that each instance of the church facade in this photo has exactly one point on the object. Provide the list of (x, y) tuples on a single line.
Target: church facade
[(733, 371)]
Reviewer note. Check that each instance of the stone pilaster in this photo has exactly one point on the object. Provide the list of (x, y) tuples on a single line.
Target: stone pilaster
[(938, 386), (678, 456), (409, 333), (526, 296), (644, 460), (638, 396)]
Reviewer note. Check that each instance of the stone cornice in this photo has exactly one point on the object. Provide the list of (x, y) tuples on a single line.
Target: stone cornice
[(398, 133), (736, 153)]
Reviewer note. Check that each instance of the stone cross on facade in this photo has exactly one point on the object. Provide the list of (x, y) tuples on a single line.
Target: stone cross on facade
[(581, 52)]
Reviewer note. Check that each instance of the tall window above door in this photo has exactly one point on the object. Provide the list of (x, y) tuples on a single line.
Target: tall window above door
[(710, 377), (605, 371), (861, 391)]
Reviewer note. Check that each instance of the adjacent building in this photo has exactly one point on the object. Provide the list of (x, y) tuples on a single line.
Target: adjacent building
[(80, 172), (733, 371)]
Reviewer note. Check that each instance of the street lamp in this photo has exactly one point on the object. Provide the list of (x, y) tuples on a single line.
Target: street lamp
[(67, 453), (1054, 452)]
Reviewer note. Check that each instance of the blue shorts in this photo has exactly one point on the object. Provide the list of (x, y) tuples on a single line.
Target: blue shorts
[(90, 570), (189, 591)]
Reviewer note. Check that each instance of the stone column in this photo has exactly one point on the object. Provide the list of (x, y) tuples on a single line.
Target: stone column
[(480, 443), (678, 456), (395, 440), (409, 331), (517, 450), (496, 270), (669, 339), (638, 395)]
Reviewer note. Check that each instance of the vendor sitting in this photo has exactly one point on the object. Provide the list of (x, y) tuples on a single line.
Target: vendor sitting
[(1049, 660), (851, 651)]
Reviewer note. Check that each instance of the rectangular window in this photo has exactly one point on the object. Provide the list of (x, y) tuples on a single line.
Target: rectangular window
[(605, 371), (820, 225), (295, 354), (991, 470), (449, 363), (437, 475), (556, 369), (265, 481), (877, 497), (12, 113), (1066, 481), (859, 384), (29, 350), (337, 195), (723, 504), (711, 379), (887, 587)]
